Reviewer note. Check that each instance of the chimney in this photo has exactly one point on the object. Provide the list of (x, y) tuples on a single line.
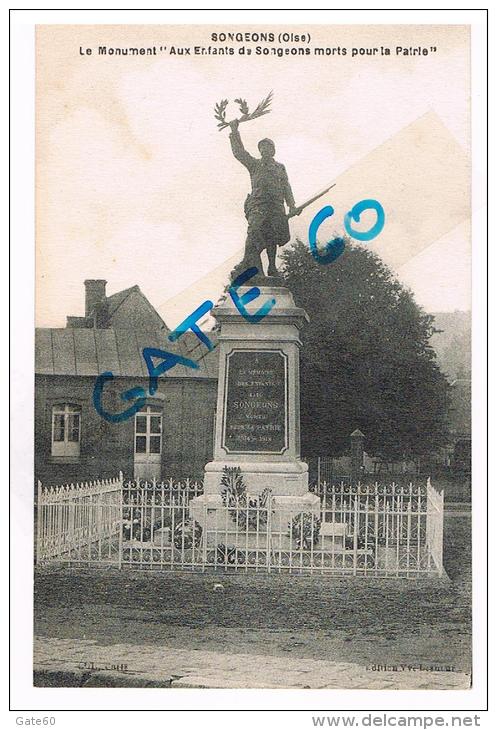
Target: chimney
[(95, 295), (96, 304)]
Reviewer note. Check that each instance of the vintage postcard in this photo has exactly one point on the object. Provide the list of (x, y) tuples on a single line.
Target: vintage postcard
[(253, 357)]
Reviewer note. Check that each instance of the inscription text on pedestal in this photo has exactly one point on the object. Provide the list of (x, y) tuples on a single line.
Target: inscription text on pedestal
[(256, 402)]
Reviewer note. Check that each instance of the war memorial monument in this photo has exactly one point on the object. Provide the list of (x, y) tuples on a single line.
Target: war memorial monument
[(257, 428)]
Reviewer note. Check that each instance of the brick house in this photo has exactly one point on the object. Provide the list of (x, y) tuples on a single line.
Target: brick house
[(171, 436)]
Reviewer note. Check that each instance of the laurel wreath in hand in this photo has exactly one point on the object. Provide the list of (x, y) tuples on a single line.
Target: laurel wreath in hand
[(261, 109)]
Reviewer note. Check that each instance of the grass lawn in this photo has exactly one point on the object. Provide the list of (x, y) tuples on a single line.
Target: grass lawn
[(353, 620)]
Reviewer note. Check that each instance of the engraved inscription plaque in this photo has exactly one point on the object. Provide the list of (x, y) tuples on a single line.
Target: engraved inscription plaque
[(255, 406)]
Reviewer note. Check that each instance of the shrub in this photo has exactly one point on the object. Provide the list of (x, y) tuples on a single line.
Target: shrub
[(233, 486), (246, 512), (304, 529)]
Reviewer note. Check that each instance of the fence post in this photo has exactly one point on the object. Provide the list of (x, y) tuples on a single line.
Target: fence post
[(205, 532), (38, 523), (441, 536), (121, 521), (356, 529), (269, 537)]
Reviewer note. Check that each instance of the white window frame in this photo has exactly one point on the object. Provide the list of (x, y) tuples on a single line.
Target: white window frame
[(148, 412), (66, 448)]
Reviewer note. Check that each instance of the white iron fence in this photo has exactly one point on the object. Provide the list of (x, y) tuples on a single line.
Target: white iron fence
[(363, 529), (434, 525), (79, 519)]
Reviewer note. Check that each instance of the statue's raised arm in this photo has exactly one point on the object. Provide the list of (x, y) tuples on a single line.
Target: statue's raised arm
[(239, 151)]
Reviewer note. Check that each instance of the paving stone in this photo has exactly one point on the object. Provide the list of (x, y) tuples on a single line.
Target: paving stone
[(165, 666)]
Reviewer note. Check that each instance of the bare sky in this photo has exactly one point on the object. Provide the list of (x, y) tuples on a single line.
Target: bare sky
[(136, 185)]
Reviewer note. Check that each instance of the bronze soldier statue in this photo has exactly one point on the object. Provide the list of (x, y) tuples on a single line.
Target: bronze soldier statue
[(265, 205)]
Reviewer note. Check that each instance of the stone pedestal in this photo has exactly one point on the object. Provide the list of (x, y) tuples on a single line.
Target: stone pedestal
[(258, 410)]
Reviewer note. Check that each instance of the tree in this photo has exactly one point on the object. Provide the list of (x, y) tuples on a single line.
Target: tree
[(366, 360)]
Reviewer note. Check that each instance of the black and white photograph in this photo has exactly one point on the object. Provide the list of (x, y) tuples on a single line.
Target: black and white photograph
[(253, 462)]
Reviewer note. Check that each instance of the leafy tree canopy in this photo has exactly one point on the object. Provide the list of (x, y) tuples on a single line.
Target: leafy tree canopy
[(366, 360)]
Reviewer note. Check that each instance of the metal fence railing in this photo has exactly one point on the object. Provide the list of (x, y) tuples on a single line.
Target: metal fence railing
[(79, 520), (434, 525), (374, 529)]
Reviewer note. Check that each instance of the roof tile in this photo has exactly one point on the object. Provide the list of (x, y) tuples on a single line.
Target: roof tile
[(78, 351)]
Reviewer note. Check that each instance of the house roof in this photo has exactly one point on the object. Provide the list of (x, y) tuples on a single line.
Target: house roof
[(115, 300), (113, 303), (83, 351)]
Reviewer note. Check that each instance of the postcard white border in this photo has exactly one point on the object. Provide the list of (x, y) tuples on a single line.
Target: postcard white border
[(24, 696)]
